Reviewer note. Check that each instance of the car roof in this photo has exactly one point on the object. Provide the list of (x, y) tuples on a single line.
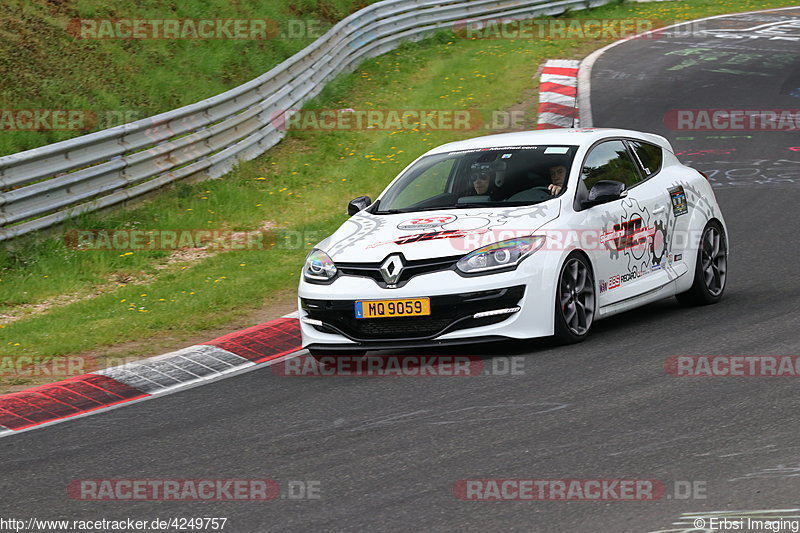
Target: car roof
[(575, 137)]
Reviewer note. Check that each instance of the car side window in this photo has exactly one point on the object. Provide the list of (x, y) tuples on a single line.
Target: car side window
[(609, 161), (649, 156)]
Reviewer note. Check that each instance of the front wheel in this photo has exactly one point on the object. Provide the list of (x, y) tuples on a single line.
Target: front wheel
[(711, 268), (575, 300)]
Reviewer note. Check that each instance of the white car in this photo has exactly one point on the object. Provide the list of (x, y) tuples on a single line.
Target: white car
[(481, 240)]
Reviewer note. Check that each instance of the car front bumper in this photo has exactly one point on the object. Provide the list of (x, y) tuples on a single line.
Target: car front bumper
[(327, 312)]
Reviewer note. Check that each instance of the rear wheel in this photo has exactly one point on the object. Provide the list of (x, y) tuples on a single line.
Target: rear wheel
[(711, 268), (575, 300)]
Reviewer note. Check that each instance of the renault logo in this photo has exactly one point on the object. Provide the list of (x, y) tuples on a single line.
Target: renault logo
[(391, 269)]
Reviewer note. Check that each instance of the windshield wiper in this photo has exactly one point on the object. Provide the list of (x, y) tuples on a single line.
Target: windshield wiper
[(475, 204), (411, 210)]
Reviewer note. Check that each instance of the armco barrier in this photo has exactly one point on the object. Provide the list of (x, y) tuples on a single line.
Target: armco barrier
[(47, 185)]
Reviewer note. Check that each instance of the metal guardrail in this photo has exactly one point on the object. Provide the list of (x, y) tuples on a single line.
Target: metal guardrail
[(48, 185)]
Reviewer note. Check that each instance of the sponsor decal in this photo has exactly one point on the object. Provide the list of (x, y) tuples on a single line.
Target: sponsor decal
[(658, 246), (628, 234), (636, 238), (499, 149), (655, 267), (678, 197), (613, 282), (630, 276), (678, 257), (603, 286), (430, 236), (426, 222)]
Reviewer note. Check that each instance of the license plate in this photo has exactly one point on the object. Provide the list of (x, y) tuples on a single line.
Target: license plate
[(393, 308)]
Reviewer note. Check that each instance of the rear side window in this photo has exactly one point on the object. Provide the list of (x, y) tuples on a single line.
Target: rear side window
[(609, 161), (649, 156)]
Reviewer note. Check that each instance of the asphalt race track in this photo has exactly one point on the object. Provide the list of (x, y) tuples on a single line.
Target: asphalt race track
[(386, 453)]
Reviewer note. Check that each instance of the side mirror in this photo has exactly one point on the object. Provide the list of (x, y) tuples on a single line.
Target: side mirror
[(605, 191), (357, 204)]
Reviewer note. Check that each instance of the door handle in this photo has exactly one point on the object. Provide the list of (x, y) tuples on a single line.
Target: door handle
[(659, 209)]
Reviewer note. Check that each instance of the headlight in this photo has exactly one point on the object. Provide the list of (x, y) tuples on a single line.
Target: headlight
[(319, 267), (499, 255)]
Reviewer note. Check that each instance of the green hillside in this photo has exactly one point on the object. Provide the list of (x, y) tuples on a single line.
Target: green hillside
[(45, 66)]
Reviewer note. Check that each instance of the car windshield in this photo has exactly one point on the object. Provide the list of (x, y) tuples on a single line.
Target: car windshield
[(507, 176)]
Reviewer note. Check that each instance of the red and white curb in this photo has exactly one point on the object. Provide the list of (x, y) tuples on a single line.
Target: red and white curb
[(558, 91), (111, 387)]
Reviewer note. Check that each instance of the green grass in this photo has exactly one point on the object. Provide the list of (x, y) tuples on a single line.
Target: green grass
[(43, 66), (301, 185)]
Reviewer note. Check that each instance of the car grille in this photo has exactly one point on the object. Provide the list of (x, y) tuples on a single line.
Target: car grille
[(448, 313), (410, 269)]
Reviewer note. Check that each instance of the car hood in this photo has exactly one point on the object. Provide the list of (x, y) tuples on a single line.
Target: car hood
[(368, 238)]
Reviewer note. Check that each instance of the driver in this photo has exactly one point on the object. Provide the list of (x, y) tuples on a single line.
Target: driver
[(558, 174), (481, 181)]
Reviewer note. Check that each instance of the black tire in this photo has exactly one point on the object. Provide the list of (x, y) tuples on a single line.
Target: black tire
[(711, 268), (575, 300)]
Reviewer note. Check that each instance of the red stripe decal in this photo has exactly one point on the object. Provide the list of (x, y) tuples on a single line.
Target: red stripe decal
[(561, 71), (550, 87), (262, 342)]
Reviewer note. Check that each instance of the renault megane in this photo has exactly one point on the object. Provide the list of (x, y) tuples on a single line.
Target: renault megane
[(515, 236)]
